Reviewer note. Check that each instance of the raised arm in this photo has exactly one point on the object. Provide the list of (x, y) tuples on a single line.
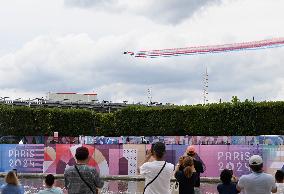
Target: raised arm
[(147, 158)]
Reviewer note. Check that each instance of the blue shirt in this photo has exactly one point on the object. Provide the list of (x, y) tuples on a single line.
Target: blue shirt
[(12, 189), (227, 188), (53, 190)]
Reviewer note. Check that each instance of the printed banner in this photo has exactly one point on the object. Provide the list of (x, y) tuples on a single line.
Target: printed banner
[(24, 158), (124, 159)]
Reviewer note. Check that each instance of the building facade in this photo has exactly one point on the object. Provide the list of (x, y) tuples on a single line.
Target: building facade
[(72, 97)]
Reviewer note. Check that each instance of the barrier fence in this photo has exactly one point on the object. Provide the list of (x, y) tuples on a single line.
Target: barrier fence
[(123, 159)]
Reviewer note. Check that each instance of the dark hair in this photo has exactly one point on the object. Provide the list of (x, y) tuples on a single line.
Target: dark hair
[(279, 176), (82, 153), (226, 176), (256, 168), (159, 149), (49, 180)]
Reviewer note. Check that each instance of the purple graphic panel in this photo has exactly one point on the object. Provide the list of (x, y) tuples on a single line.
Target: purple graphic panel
[(234, 157)]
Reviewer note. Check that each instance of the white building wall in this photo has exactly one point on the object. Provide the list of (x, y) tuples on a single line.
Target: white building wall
[(72, 97)]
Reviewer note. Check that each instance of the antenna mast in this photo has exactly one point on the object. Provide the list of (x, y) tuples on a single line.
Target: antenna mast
[(149, 95), (205, 87)]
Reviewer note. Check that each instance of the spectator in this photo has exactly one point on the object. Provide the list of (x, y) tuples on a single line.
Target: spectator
[(198, 165), (50, 189), (12, 185), (257, 182), (279, 176), (158, 172), (186, 175), (82, 179), (227, 186)]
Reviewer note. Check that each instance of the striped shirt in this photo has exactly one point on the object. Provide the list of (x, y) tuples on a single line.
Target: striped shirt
[(74, 183)]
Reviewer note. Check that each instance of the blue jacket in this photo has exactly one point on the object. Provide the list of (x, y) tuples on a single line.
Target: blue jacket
[(12, 189)]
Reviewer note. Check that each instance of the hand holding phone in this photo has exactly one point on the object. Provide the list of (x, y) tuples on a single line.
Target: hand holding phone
[(148, 152)]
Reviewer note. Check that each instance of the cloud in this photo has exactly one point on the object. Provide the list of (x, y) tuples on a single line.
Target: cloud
[(87, 3), (87, 55), (77, 63), (162, 11)]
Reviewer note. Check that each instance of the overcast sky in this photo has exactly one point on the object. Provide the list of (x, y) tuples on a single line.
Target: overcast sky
[(77, 46)]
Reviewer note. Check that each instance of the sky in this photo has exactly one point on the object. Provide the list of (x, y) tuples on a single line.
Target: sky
[(77, 46)]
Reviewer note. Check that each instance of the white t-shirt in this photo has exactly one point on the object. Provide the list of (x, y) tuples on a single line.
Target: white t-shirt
[(280, 188), (162, 184), (53, 190), (257, 183)]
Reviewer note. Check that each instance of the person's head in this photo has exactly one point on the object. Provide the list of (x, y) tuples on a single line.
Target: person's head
[(256, 163), (187, 164), (49, 180), (279, 176), (11, 178), (82, 154), (190, 151), (158, 150), (180, 161), (187, 161), (226, 176)]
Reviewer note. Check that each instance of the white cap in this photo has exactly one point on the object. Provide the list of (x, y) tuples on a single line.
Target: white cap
[(255, 160)]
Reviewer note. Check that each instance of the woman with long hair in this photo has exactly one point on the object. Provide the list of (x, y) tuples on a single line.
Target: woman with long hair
[(13, 186), (198, 164), (186, 175)]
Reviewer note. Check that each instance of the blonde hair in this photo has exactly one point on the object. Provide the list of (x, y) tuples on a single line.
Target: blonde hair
[(187, 163), (11, 178)]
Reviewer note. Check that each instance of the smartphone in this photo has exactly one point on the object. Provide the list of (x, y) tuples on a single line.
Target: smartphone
[(15, 171)]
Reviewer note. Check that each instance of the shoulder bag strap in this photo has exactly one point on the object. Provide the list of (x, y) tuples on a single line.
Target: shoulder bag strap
[(154, 178), (84, 179)]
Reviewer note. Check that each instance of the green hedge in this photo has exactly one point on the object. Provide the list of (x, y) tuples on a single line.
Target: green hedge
[(236, 118)]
